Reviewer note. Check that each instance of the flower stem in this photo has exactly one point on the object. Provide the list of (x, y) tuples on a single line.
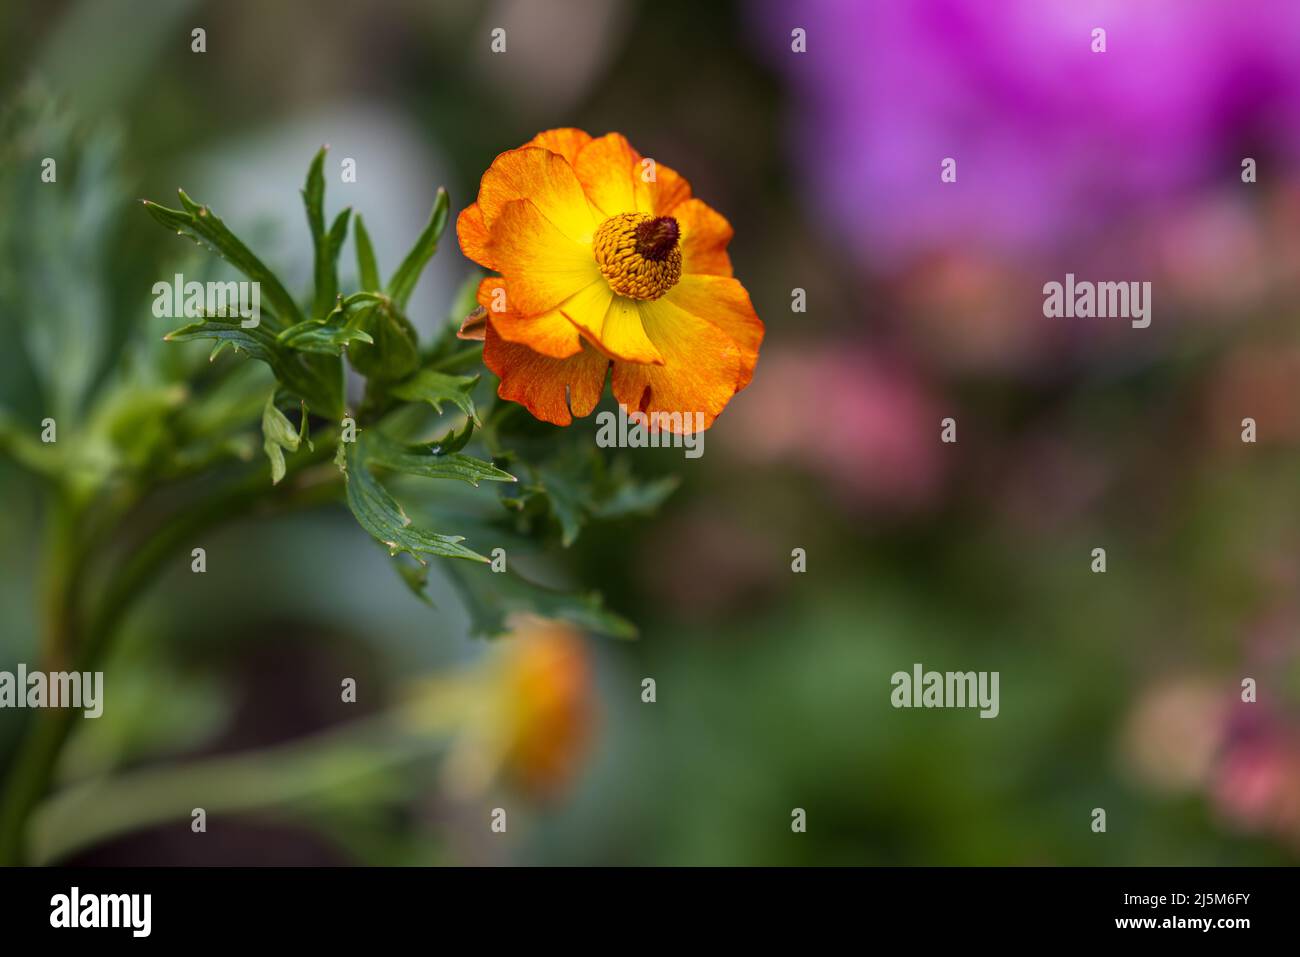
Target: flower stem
[(285, 774), (38, 754)]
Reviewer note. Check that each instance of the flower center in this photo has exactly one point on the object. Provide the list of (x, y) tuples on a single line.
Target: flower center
[(639, 254)]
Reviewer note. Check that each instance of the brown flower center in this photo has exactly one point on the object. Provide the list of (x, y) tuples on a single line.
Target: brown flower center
[(639, 254)]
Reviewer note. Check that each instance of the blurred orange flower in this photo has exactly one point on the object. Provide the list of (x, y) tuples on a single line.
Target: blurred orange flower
[(605, 259), (547, 685), (524, 713)]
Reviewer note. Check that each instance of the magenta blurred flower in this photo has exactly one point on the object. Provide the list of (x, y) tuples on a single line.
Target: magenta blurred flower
[(1053, 142)]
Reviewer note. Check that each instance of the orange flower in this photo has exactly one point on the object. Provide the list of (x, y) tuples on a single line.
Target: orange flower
[(524, 713), (548, 682), (605, 259)]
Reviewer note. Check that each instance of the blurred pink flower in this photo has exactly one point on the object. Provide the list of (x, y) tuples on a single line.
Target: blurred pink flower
[(1192, 735), (864, 425), (1257, 783)]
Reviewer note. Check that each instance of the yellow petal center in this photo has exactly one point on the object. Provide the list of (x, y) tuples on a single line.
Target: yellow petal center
[(639, 254)]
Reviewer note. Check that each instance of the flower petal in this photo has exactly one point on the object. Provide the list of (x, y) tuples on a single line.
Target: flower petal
[(547, 387), (547, 332), (704, 236), (663, 194), (606, 167), (723, 302), (473, 235), (566, 141), (700, 371), (612, 323), (542, 266), (623, 334), (547, 180)]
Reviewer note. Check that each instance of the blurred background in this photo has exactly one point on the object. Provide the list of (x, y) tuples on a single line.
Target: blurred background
[(1119, 691)]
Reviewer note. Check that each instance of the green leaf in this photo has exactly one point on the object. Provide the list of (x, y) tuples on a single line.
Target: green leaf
[(429, 385), (453, 441), (426, 460), (416, 577), (367, 266), (402, 284), (316, 336), (203, 227), (574, 484), (618, 494), (60, 251), (257, 341), (337, 234), (330, 335), (492, 597), (321, 389), (278, 435), (326, 244), (313, 197), (380, 515)]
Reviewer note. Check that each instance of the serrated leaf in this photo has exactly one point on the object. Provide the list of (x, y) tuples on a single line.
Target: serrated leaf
[(202, 226), (258, 342), (402, 283), (326, 338), (424, 459), (574, 484), (434, 387), (380, 515), (321, 388), (454, 440)]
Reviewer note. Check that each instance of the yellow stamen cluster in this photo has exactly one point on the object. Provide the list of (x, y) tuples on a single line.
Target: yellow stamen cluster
[(639, 254)]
